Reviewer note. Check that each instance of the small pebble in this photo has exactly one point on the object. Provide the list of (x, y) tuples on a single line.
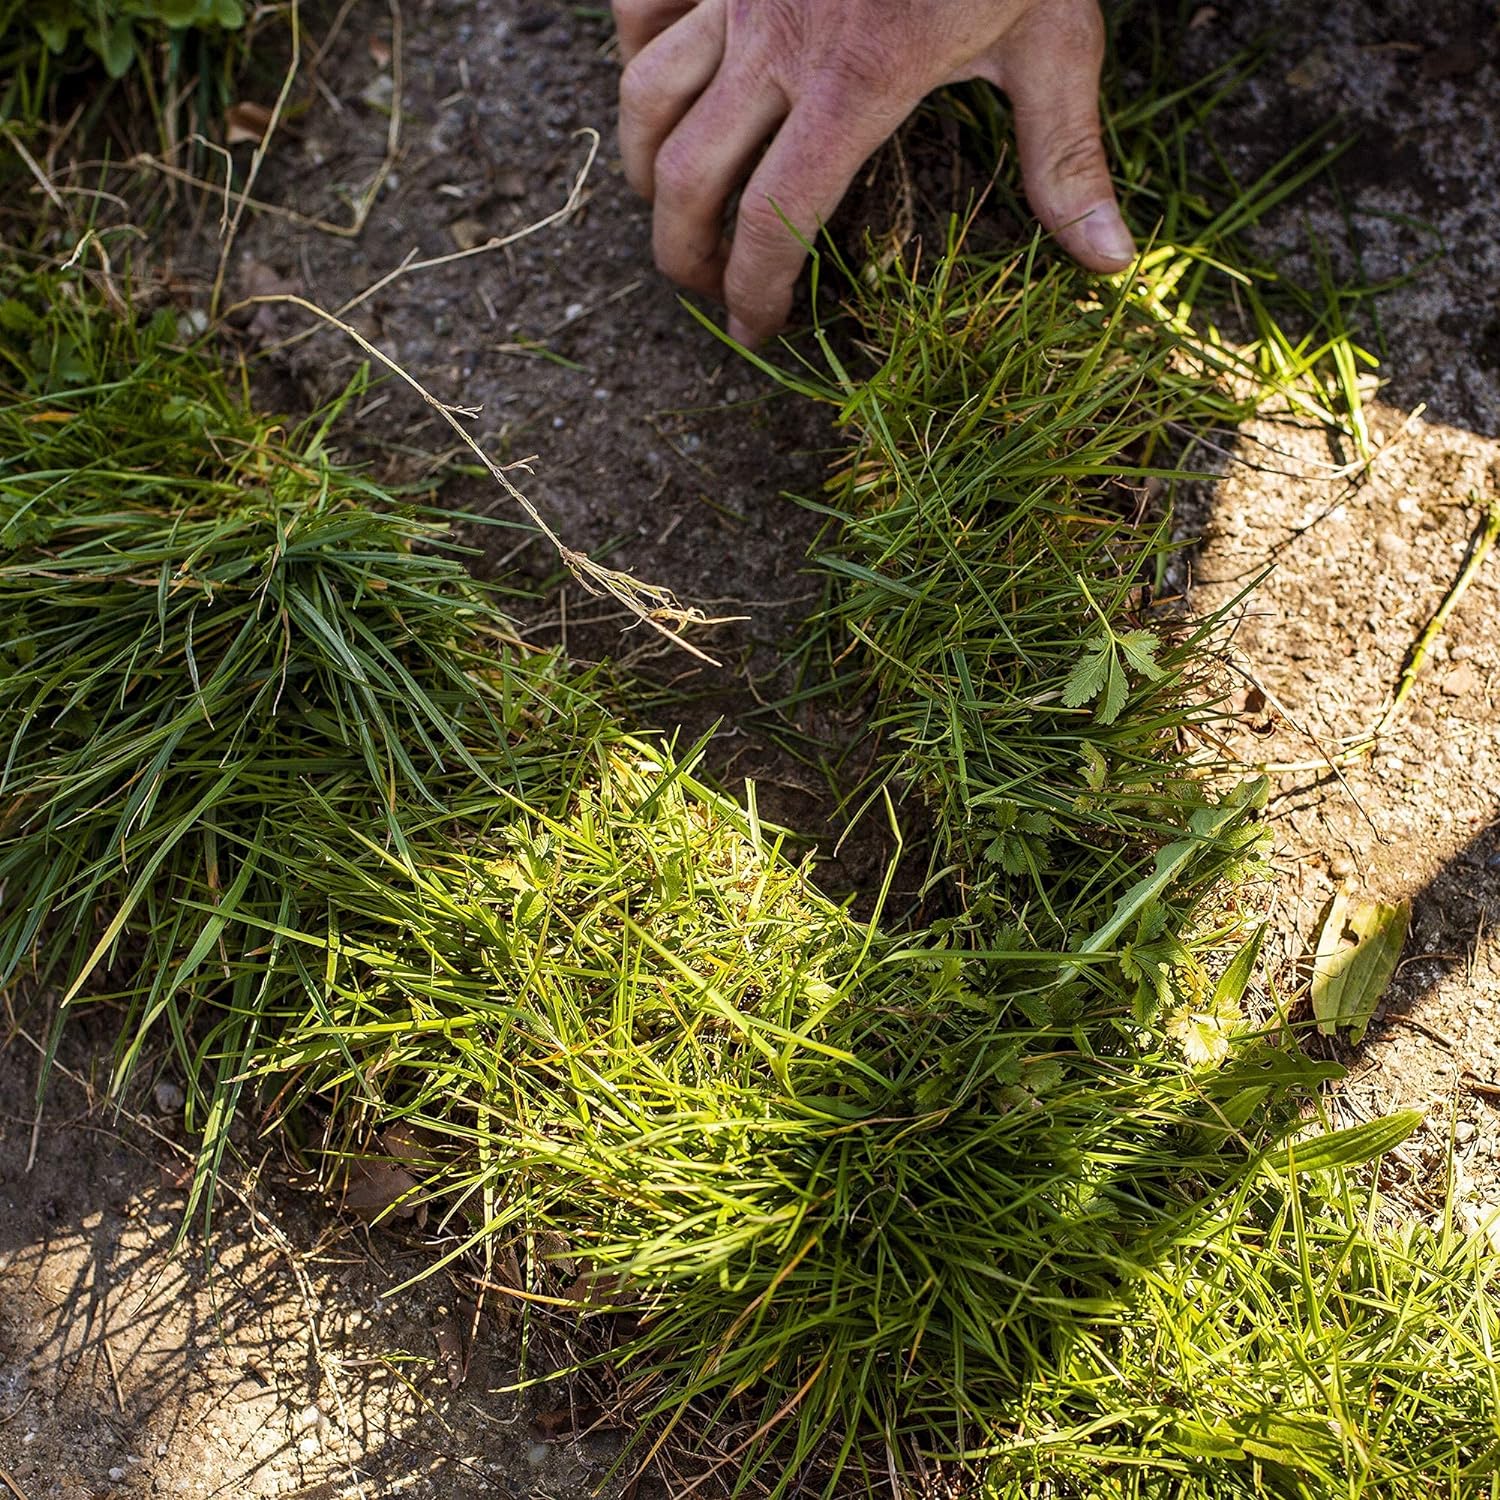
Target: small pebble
[(536, 1455), (116, 1474), (169, 1098), (1461, 680)]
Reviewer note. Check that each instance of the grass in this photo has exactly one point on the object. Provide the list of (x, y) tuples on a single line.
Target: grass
[(1019, 1204), (207, 624), (283, 796), (998, 555)]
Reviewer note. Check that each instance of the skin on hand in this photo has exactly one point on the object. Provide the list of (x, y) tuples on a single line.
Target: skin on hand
[(789, 98)]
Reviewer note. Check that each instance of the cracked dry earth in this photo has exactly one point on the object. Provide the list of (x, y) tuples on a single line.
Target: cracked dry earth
[(125, 1367)]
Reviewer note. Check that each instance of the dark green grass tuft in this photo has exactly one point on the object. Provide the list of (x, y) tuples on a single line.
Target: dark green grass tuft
[(217, 645)]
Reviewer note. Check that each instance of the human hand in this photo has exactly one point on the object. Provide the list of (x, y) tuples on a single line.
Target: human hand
[(707, 84)]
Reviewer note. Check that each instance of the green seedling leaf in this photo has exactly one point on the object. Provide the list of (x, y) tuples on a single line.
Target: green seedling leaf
[(1358, 950), (1206, 825), (1095, 767), (1100, 670), (1235, 980)]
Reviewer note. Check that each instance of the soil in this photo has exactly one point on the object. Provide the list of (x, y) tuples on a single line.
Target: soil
[(125, 1367), (1358, 568)]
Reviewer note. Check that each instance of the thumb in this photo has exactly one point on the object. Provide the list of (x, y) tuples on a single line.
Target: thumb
[(1050, 71)]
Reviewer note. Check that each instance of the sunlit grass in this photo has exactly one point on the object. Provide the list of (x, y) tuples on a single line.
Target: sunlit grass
[(1025, 1203)]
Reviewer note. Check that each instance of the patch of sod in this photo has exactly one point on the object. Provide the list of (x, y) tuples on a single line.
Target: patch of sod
[(999, 547), (224, 657), (281, 792)]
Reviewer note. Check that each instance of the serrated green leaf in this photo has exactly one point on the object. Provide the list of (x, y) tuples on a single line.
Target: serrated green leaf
[(1151, 923), (1042, 1076), (1086, 680), (1358, 949), (1115, 690), (1139, 648)]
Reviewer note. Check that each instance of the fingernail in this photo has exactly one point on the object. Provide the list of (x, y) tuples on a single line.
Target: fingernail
[(1105, 234), (742, 333)]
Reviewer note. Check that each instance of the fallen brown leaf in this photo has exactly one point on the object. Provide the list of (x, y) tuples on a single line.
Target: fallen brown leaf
[(594, 1288), (373, 1188), (246, 122), (412, 1144)]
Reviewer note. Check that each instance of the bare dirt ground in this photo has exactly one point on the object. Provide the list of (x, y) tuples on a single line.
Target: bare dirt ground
[(1358, 569), (124, 1367)]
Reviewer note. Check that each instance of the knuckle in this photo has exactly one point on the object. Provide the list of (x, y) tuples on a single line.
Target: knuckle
[(860, 63), (758, 274), (640, 90), (759, 227), (1077, 155), (740, 290), (677, 173), (776, 30)]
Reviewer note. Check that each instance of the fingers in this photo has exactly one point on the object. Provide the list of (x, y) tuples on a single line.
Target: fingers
[(699, 168), (638, 22), (794, 190), (659, 86), (1050, 70)]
